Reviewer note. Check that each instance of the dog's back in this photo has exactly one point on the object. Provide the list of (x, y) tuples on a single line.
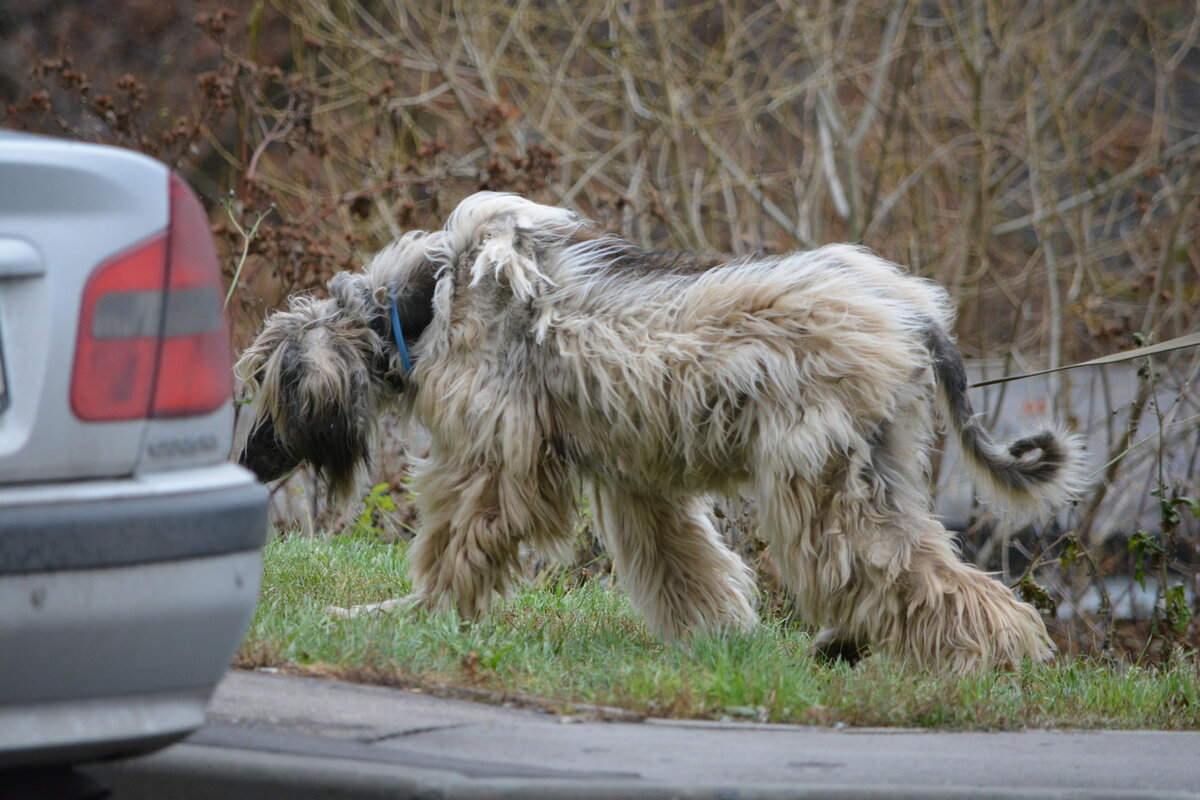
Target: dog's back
[(687, 368)]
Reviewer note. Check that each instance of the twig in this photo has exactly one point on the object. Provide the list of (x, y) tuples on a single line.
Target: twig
[(247, 237), (1099, 190)]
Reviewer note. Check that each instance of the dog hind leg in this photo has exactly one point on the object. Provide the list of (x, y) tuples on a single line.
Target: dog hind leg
[(948, 613), (669, 556), (892, 580)]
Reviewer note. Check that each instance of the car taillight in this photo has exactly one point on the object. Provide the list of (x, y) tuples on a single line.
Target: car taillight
[(194, 375), (153, 341)]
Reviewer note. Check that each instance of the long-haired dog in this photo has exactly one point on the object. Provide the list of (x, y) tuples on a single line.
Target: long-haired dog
[(543, 355)]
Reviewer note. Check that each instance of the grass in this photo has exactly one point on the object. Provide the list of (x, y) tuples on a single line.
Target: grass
[(575, 648)]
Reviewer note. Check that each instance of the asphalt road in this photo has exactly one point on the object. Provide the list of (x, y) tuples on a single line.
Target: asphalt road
[(273, 736)]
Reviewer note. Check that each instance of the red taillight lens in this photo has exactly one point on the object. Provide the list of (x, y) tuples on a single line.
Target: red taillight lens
[(153, 341), (117, 347), (194, 375)]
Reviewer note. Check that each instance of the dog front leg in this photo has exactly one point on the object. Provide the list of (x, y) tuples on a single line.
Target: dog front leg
[(463, 552), (668, 555), (473, 520)]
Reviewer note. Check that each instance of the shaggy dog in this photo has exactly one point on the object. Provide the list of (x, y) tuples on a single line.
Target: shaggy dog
[(543, 356)]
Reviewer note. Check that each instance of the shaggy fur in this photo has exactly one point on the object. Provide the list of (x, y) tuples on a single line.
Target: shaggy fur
[(549, 355)]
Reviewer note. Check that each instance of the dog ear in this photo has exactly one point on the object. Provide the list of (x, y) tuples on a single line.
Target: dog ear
[(329, 403), (507, 253), (414, 302)]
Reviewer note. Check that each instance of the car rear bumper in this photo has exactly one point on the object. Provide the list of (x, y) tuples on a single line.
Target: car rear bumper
[(113, 523), (115, 649)]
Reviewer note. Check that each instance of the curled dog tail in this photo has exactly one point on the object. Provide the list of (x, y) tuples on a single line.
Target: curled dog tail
[(1032, 475)]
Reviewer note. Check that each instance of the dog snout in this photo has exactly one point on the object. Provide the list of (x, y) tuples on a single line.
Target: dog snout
[(264, 456)]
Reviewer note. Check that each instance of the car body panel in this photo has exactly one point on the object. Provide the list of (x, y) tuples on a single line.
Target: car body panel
[(84, 526), (73, 205), (169, 443), (117, 659)]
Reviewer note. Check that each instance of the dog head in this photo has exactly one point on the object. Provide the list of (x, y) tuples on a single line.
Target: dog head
[(320, 372), (317, 376)]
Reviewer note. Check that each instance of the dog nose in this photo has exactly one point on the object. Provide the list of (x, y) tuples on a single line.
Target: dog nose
[(263, 456)]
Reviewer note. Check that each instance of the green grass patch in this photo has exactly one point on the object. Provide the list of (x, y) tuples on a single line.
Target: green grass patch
[(565, 646)]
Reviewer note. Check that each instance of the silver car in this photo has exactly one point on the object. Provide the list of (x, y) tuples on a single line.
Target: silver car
[(129, 547)]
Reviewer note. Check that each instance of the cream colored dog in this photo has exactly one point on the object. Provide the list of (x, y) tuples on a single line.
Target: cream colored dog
[(542, 355)]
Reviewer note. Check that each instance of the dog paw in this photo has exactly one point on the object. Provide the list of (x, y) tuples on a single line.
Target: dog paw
[(386, 607), (412, 602), (832, 645)]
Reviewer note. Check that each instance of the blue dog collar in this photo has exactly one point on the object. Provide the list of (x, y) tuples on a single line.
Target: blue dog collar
[(398, 335)]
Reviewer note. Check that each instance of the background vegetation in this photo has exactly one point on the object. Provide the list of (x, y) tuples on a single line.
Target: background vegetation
[(1038, 159)]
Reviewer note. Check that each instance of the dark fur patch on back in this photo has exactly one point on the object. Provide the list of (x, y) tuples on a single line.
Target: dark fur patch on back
[(668, 261), (626, 257)]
